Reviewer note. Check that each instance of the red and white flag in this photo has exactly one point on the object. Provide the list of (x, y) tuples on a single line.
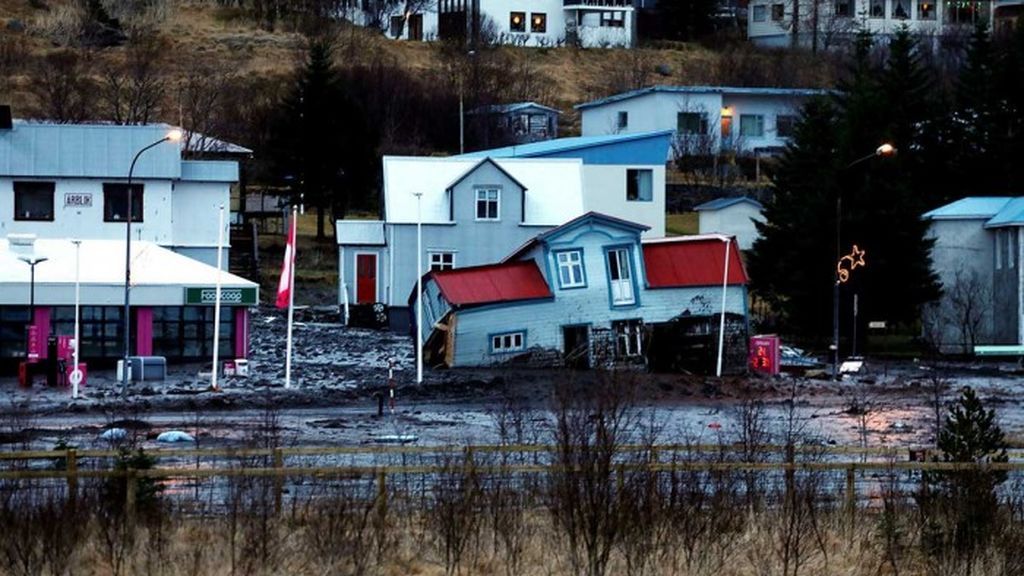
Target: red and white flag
[(287, 282)]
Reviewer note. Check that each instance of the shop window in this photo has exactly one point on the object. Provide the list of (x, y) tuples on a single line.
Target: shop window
[(639, 185), (102, 332), (33, 201), (692, 123), (751, 125), (13, 320), (488, 203), (539, 22), (508, 342), (115, 202), (517, 22), (628, 338), (785, 126), (187, 332)]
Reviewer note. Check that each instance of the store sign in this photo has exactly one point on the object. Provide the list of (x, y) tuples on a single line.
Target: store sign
[(207, 296), (78, 199), (35, 344), (764, 354)]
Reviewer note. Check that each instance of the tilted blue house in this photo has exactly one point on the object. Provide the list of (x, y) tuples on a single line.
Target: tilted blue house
[(591, 293)]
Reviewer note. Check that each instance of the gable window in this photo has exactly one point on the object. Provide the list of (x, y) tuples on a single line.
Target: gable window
[(441, 261), (778, 12), (517, 21), (487, 203), (570, 269), (628, 337), (751, 125), (115, 202), (538, 22), (760, 13), (925, 10), (613, 19), (33, 201), (622, 120), (620, 277), (784, 126), (639, 186), (508, 342), (842, 8), (692, 123)]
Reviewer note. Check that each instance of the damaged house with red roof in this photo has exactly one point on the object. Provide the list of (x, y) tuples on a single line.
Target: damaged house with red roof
[(592, 293)]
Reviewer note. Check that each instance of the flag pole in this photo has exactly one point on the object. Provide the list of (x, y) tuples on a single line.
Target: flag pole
[(216, 301), (291, 300)]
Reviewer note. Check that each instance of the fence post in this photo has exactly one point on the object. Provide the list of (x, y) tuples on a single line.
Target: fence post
[(71, 459), (851, 493), (278, 463)]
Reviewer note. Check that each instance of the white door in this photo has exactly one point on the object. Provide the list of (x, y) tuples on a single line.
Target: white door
[(621, 277)]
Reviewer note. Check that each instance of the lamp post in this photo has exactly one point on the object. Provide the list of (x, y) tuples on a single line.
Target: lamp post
[(419, 287), (76, 372), (883, 150), (721, 325), (172, 136), (32, 261)]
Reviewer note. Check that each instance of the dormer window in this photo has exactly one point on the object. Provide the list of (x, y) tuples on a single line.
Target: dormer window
[(488, 204)]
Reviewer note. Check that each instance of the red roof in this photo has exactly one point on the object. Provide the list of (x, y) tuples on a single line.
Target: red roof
[(505, 282), (691, 262)]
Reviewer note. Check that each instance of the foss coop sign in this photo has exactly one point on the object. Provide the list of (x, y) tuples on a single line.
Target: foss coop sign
[(207, 296)]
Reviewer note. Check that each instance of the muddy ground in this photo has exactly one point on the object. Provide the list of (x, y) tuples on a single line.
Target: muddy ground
[(340, 373)]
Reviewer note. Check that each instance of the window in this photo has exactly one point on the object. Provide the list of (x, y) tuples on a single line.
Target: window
[(508, 342), (100, 331), (639, 185), (517, 22), (620, 278), (442, 261), (613, 19), (925, 10), (570, 269), (778, 12), (487, 200), (751, 125), (187, 332), (538, 22), (397, 24), (628, 337), (33, 201), (964, 12), (901, 9), (760, 13), (622, 120), (878, 8), (842, 8), (13, 323), (692, 123), (115, 202), (784, 126)]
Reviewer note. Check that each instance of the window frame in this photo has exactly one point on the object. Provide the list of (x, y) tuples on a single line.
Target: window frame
[(486, 190), (926, 11), (846, 11), (689, 115), (876, 10), (115, 188), (505, 342), (760, 12), (440, 264), (613, 19), (778, 12), (569, 266), (758, 119), (633, 175), (622, 253), (517, 28), (785, 119), (628, 333), (543, 27), (895, 5), (34, 186), (622, 119)]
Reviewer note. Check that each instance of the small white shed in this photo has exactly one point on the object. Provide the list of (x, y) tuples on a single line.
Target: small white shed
[(732, 217)]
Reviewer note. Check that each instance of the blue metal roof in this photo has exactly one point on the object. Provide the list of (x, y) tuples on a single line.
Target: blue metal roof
[(1012, 214), (511, 107), (973, 207), (649, 148), (720, 203), (724, 90)]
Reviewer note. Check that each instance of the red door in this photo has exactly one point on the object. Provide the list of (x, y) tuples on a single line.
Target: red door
[(366, 278)]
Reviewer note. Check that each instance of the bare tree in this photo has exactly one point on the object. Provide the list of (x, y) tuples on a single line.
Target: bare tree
[(131, 90), (968, 299), (202, 93), (63, 86)]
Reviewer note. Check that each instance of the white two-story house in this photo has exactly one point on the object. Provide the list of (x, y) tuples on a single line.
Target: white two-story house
[(71, 181), (591, 293), (704, 119), (473, 209)]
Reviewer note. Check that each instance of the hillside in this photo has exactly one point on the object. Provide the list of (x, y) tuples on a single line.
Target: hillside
[(205, 34)]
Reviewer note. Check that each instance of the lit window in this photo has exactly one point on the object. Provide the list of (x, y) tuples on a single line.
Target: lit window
[(628, 337), (33, 201), (508, 342), (692, 123), (784, 126), (442, 261), (570, 269), (538, 22), (487, 200), (517, 22), (751, 125), (623, 120), (925, 11), (639, 186)]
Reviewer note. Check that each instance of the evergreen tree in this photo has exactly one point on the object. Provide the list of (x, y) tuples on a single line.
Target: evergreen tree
[(687, 20)]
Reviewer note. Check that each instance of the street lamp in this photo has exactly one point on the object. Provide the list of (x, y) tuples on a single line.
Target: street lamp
[(885, 149), (172, 136), (419, 287), (721, 326), (32, 261)]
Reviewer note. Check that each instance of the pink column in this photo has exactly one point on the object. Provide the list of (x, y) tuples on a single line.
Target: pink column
[(144, 331), (42, 319), (241, 332)]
